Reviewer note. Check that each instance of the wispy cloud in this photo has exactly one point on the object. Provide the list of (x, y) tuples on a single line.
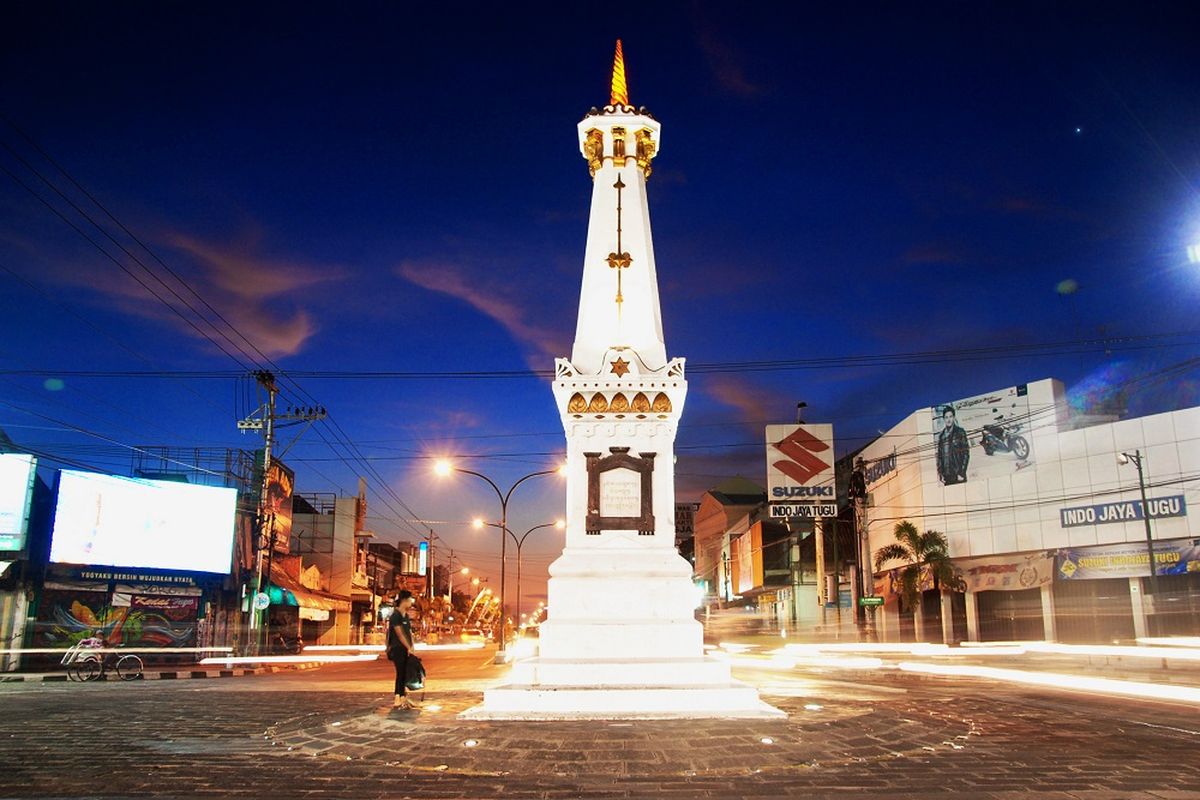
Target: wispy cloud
[(491, 299), (698, 471), (752, 403), (1037, 208), (258, 294), (240, 268), (933, 253), (725, 63), (261, 295)]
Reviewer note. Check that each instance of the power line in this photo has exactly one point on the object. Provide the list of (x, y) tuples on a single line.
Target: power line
[(355, 456), (101, 436), (117, 262), (909, 358)]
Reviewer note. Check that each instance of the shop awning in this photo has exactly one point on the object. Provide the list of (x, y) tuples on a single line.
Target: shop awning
[(293, 594)]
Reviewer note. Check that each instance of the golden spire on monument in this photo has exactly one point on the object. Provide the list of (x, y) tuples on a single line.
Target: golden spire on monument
[(619, 94)]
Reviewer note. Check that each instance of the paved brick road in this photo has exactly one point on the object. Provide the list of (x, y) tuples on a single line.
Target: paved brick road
[(307, 736)]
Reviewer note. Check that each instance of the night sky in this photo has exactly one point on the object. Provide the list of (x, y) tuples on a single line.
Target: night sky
[(387, 187)]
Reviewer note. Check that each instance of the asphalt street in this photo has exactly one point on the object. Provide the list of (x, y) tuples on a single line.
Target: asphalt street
[(330, 732)]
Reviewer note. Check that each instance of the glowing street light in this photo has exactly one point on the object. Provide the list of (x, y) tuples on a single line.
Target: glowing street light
[(444, 468)]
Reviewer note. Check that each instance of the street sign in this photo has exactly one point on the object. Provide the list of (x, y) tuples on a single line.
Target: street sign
[(870, 601), (803, 510), (261, 601)]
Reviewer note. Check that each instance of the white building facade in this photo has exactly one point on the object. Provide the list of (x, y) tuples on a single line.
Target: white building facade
[(1044, 521)]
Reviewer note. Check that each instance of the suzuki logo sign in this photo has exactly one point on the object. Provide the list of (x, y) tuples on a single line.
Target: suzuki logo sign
[(800, 463)]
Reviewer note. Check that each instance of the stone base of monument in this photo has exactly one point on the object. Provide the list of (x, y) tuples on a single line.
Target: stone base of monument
[(622, 689)]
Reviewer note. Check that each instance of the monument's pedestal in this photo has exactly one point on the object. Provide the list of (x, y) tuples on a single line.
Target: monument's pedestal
[(732, 701), (621, 644), (622, 689)]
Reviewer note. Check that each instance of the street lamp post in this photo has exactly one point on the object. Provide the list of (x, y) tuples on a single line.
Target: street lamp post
[(444, 468), (520, 542), (1136, 458)]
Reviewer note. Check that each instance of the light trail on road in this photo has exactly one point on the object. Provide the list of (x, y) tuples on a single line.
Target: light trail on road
[(1078, 683), (324, 658)]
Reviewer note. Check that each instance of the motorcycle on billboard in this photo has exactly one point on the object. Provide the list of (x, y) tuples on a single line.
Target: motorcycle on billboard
[(1004, 437)]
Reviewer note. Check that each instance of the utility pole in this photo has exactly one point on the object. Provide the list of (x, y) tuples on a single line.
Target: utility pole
[(263, 420), (429, 566), (858, 496), (1136, 458), (267, 425)]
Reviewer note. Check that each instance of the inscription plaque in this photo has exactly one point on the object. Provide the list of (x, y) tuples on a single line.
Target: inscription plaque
[(620, 493)]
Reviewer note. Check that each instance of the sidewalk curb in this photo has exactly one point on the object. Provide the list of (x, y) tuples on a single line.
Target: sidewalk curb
[(163, 675)]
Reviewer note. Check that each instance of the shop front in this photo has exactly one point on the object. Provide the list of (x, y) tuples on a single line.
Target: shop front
[(1105, 591), (131, 608), (301, 614)]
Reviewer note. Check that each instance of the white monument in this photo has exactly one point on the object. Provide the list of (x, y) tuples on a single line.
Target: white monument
[(621, 640)]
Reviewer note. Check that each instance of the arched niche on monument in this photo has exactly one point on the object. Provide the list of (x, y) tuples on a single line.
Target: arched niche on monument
[(620, 492)]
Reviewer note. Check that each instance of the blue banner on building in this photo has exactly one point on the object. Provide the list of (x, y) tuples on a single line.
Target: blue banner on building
[(1124, 511), (1129, 560)]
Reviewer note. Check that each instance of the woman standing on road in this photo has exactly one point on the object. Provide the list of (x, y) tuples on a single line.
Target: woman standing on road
[(400, 645)]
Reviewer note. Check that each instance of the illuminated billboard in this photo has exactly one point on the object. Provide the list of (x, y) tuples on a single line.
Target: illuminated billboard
[(128, 522), (17, 472)]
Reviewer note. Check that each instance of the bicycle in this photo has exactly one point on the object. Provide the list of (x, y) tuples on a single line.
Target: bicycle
[(87, 661)]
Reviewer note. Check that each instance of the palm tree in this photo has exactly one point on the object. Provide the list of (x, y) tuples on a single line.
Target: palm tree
[(929, 549)]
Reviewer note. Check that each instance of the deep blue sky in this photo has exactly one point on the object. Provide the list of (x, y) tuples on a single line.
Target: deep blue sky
[(389, 187)]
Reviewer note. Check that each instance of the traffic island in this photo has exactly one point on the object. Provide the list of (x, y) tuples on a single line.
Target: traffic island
[(436, 739)]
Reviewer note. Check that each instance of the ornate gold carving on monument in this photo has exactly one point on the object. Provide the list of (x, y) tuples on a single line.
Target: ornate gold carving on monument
[(645, 150), (593, 150), (640, 403), (619, 404), (577, 405), (598, 405), (662, 404), (619, 93), (619, 260), (618, 135)]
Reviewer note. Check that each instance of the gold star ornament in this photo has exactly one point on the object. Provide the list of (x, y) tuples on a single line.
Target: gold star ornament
[(620, 367)]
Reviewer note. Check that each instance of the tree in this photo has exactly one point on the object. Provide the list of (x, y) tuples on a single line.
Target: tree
[(920, 550)]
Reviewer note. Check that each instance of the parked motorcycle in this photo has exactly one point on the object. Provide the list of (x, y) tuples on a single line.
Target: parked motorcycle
[(1004, 438), (286, 645)]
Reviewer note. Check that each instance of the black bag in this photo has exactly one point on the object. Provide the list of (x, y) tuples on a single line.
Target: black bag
[(414, 673)]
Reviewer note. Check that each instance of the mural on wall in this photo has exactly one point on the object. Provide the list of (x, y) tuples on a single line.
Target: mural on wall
[(982, 437), (131, 620)]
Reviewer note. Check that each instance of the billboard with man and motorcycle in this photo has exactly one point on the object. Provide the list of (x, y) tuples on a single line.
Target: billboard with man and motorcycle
[(982, 437)]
